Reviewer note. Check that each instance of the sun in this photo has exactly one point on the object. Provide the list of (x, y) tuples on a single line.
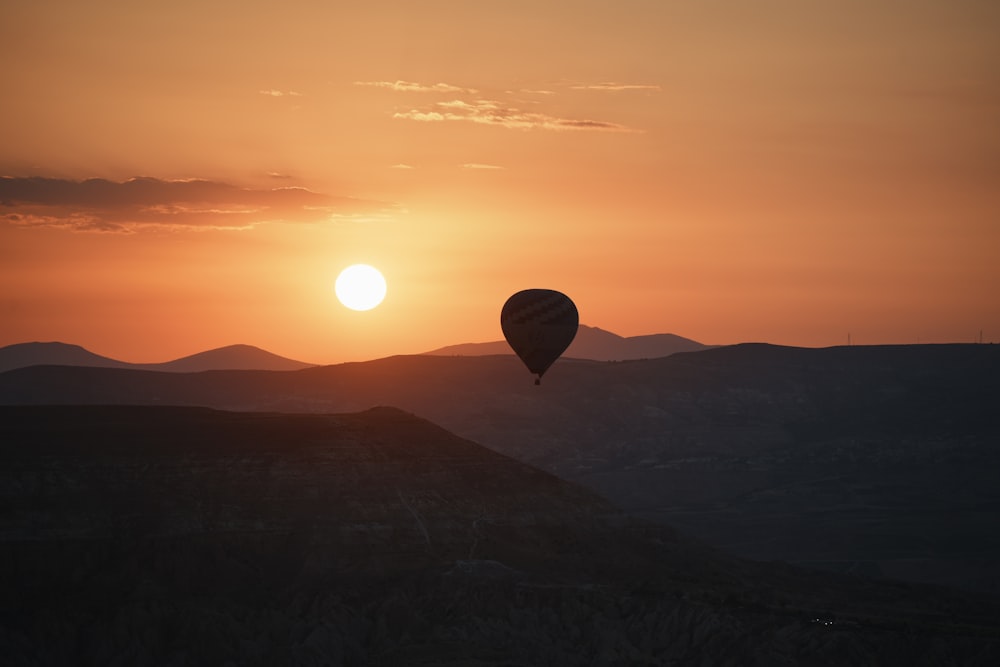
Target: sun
[(360, 287)]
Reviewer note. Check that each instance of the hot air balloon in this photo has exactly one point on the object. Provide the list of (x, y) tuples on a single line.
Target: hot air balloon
[(539, 324)]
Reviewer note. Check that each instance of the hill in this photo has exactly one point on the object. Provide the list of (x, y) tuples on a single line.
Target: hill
[(22, 355), (592, 343), (137, 535), (231, 357), (874, 460)]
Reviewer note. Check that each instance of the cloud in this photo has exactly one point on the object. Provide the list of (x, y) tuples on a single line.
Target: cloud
[(615, 87), (412, 87), (402, 166), (424, 116), (367, 218), (140, 203), (477, 165), (490, 112), (279, 93), (468, 107), (75, 221)]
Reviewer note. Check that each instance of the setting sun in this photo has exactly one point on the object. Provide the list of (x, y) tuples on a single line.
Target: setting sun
[(360, 287)]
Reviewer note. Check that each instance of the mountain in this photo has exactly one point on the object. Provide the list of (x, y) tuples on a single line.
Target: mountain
[(592, 343), (232, 357), (879, 461), (21, 355), (143, 535), (386, 490)]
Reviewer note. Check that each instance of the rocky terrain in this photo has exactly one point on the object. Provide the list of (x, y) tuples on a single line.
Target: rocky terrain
[(878, 461), (186, 536)]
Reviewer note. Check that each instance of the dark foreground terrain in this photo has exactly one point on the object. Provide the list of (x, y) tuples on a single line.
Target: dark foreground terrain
[(186, 536), (880, 461)]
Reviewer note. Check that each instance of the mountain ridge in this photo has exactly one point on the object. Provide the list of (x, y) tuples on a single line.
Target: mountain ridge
[(592, 343), (229, 357)]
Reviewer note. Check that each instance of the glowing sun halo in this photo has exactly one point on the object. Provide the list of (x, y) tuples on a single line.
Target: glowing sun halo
[(360, 287)]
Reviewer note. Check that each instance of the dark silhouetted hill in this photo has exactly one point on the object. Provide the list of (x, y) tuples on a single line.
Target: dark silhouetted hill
[(142, 535), (592, 343), (879, 461), (232, 357), (22, 355)]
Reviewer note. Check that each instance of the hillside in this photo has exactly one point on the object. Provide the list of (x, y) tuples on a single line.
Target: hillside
[(592, 343), (138, 535), (874, 460)]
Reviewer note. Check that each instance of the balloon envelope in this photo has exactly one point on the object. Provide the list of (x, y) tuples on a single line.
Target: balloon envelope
[(539, 324)]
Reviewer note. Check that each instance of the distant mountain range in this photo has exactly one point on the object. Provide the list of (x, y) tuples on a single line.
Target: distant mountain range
[(592, 343), (231, 357)]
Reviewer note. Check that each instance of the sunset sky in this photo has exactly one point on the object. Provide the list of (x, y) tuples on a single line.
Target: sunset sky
[(185, 175)]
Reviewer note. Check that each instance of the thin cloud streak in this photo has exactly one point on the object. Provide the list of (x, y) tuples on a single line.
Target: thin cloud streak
[(366, 218), (146, 203), (616, 87), (478, 165), (493, 112), (413, 87), (490, 112)]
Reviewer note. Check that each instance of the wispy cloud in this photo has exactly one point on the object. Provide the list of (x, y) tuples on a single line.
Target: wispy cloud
[(367, 218), (467, 105), (140, 203), (402, 166), (491, 112), (478, 165), (279, 93), (615, 87), (413, 87)]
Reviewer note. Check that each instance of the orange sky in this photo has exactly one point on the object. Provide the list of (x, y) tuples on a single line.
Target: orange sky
[(777, 171)]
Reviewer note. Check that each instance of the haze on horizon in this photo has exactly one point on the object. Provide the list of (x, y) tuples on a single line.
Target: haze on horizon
[(784, 172)]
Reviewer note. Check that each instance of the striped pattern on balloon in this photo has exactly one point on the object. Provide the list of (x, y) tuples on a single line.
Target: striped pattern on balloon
[(539, 324)]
